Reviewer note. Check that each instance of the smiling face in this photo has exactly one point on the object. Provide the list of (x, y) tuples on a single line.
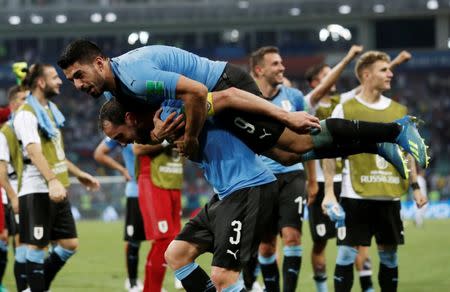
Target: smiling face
[(88, 77), (378, 76), (271, 69)]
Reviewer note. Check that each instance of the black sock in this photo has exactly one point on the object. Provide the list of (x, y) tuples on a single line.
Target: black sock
[(339, 151), (291, 271), (198, 280), (343, 278), (3, 262), (20, 273), (132, 262), (388, 278), (248, 272), (52, 265), (35, 276), (271, 276)]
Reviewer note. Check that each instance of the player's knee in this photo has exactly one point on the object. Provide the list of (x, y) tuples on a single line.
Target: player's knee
[(346, 255), (267, 249), (69, 244), (179, 254), (291, 236), (388, 258)]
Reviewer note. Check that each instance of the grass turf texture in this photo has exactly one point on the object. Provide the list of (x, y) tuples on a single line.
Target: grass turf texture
[(99, 264)]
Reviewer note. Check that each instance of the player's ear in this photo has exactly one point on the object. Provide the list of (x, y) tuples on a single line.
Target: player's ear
[(130, 119), (98, 62)]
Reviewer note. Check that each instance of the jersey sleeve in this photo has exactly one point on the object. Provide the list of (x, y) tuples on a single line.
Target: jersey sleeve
[(26, 128), (110, 143), (4, 149), (156, 84)]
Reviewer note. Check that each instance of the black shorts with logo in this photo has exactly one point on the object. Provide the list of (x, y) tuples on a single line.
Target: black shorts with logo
[(42, 220), (291, 201), (10, 221), (259, 132), (367, 218), (134, 225), (320, 225), (232, 228)]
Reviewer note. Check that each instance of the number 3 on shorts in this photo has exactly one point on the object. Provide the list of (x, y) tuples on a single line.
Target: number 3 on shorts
[(237, 227)]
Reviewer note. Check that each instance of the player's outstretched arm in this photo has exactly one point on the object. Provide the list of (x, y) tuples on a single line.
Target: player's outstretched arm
[(324, 87), (4, 182), (85, 178), (402, 57), (419, 197), (240, 100)]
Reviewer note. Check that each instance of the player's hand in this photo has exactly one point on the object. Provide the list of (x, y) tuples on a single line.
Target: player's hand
[(126, 175), (420, 199), (90, 182), (165, 129), (404, 56), (354, 51), (328, 199), (56, 191), (15, 204), (312, 188), (188, 146), (302, 122)]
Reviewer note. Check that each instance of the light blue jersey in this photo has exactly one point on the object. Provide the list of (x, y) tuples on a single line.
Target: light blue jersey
[(291, 100), (150, 74), (131, 189), (228, 164)]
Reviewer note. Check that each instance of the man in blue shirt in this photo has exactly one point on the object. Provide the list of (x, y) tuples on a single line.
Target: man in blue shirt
[(149, 76), (134, 226), (232, 224)]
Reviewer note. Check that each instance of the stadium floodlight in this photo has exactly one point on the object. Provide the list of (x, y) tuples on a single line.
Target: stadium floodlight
[(432, 4), (133, 38), (345, 9), (143, 37), (14, 20), (379, 8), (110, 17), (295, 11), (243, 4), (96, 17), (36, 19), (61, 18)]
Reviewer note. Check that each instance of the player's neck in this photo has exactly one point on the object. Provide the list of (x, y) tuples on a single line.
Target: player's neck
[(370, 95), (40, 97), (268, 90), (110, 82)]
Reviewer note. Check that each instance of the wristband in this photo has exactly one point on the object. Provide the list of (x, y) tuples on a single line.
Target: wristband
[(415, 186), (165, 143)]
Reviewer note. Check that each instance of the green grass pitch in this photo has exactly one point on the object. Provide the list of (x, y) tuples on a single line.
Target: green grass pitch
[(99, 264)]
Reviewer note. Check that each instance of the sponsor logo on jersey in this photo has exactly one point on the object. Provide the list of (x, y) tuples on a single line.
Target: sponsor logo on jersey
[(286, 105)]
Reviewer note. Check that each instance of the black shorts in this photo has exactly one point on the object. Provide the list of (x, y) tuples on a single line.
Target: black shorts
[(320, 225), (291, 201), (134, 225), (232, 228), (42, 220), (10, 221), (367, 218), (259, 132)]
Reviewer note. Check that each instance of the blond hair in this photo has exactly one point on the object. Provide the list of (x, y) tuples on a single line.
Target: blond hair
[(368, 59)]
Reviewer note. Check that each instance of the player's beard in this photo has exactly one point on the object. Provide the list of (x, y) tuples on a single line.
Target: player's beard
[(50, 92), (143, 134)]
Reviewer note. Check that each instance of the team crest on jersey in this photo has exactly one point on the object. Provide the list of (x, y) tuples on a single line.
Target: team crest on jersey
[(163, 226), (321, 229), (130, 230), (381, 162), (38, 232), (286, 105), (342, 232)]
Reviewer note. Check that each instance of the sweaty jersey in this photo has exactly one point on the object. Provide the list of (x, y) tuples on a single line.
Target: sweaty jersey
[(228, 164), (291, 100), (150, 74), (131, 189)]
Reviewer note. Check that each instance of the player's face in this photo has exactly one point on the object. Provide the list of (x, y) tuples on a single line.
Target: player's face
[(52, 82), (380, 75), (124, 134), (21, 96), (273, 69), (87, 77)]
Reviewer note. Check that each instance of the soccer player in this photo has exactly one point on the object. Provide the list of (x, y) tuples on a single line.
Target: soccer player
[(267, 68), (160, 179), (231, 225), (44, 210), (155, 74), (370, 186), (134, 227), (11, 166)]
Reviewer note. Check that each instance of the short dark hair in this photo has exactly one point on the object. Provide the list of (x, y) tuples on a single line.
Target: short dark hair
[(13, 91), (34, 72), (258, 56), (81, 50), (112, 111), (313, 71)]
